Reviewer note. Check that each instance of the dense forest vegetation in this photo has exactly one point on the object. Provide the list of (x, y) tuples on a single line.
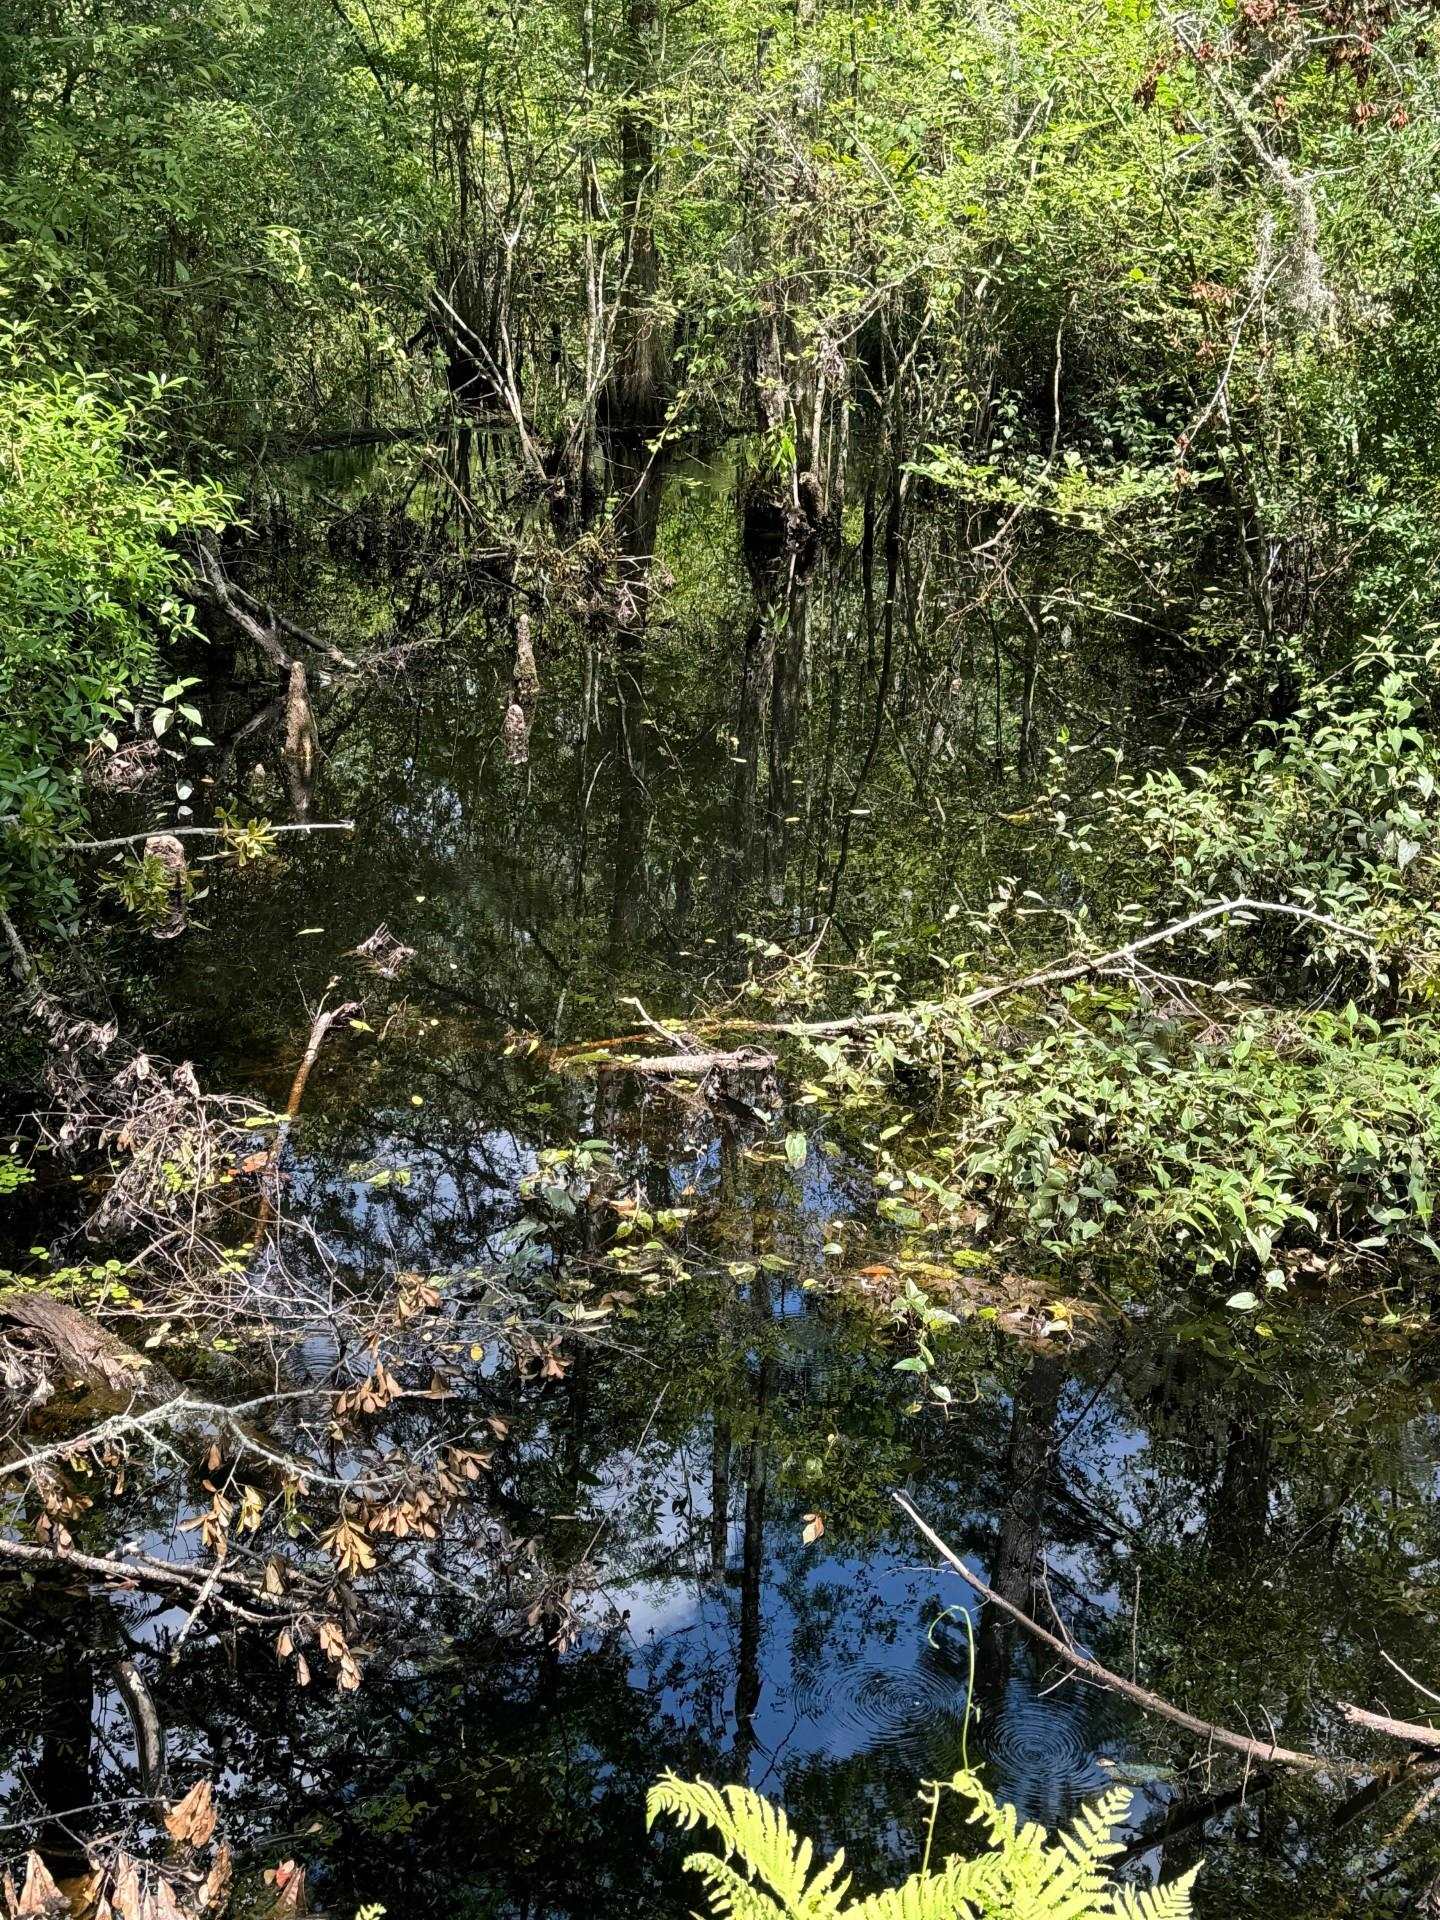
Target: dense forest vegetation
[(719, 780)]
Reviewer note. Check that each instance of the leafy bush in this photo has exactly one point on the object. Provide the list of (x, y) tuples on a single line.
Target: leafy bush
[(1337, 810), (88, 600), (1022, 1876)]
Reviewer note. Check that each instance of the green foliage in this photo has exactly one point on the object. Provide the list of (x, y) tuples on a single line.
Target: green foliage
[(88, 597), (203, 191), (1337, 809), (1022, 1876), (14, 1174), (148, 888), (1115, 1130)]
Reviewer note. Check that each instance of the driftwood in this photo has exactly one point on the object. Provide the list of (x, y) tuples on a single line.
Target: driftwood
[(742, 1060), (1265, 1752)]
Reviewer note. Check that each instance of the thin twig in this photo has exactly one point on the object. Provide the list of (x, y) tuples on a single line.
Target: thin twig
[(1418, 1685)]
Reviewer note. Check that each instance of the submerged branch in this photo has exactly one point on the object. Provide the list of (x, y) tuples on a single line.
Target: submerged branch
[(1063, 973), (680, 1065), (1264, 1751), (324, 1019)]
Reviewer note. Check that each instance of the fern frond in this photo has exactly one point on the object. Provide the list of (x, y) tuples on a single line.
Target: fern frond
[(1023, 1877), (749, 1825), (961, 1890), (1092, 1826), (1170, 1902), (1001, 1823), (731, 1895)]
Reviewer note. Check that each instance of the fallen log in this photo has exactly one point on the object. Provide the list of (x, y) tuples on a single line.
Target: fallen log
[(742, 1060), (86, 1350)]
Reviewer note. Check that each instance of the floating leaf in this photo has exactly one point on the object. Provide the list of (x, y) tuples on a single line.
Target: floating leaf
[(797, 1148), (814, 1528)]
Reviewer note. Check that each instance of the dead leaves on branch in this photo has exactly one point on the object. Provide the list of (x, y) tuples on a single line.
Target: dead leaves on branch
[(330, 1637), (372, 1395), (39, 1898), (346, 1544), (194, 1882), (191, 1821)]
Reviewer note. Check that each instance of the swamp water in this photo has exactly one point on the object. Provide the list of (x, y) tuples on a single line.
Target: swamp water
[(1244, 1520)]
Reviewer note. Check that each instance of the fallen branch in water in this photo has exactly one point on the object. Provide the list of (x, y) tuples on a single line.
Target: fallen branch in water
[(282, 623), (1261, 1750), (319, 1027), (1064, 973), (200, 833), (742, 1060), (1412, 1731), (83, 1348), (214, 584)]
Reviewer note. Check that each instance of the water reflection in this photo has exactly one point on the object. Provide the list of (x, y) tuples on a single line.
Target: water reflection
[(719, 749)]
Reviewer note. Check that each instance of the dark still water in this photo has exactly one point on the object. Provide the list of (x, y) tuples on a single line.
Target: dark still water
[(685, 1552)]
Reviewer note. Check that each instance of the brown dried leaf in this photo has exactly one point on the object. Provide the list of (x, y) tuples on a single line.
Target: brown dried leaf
[(125, 1889), (332, 1641), (40, 1895), (191, 1821), (215, 1887), (83, 1894), (288, 1881), (162, 1902)]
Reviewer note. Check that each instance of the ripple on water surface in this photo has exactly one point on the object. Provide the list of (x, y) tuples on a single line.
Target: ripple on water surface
[(1041, 1752), (868, 1707)]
